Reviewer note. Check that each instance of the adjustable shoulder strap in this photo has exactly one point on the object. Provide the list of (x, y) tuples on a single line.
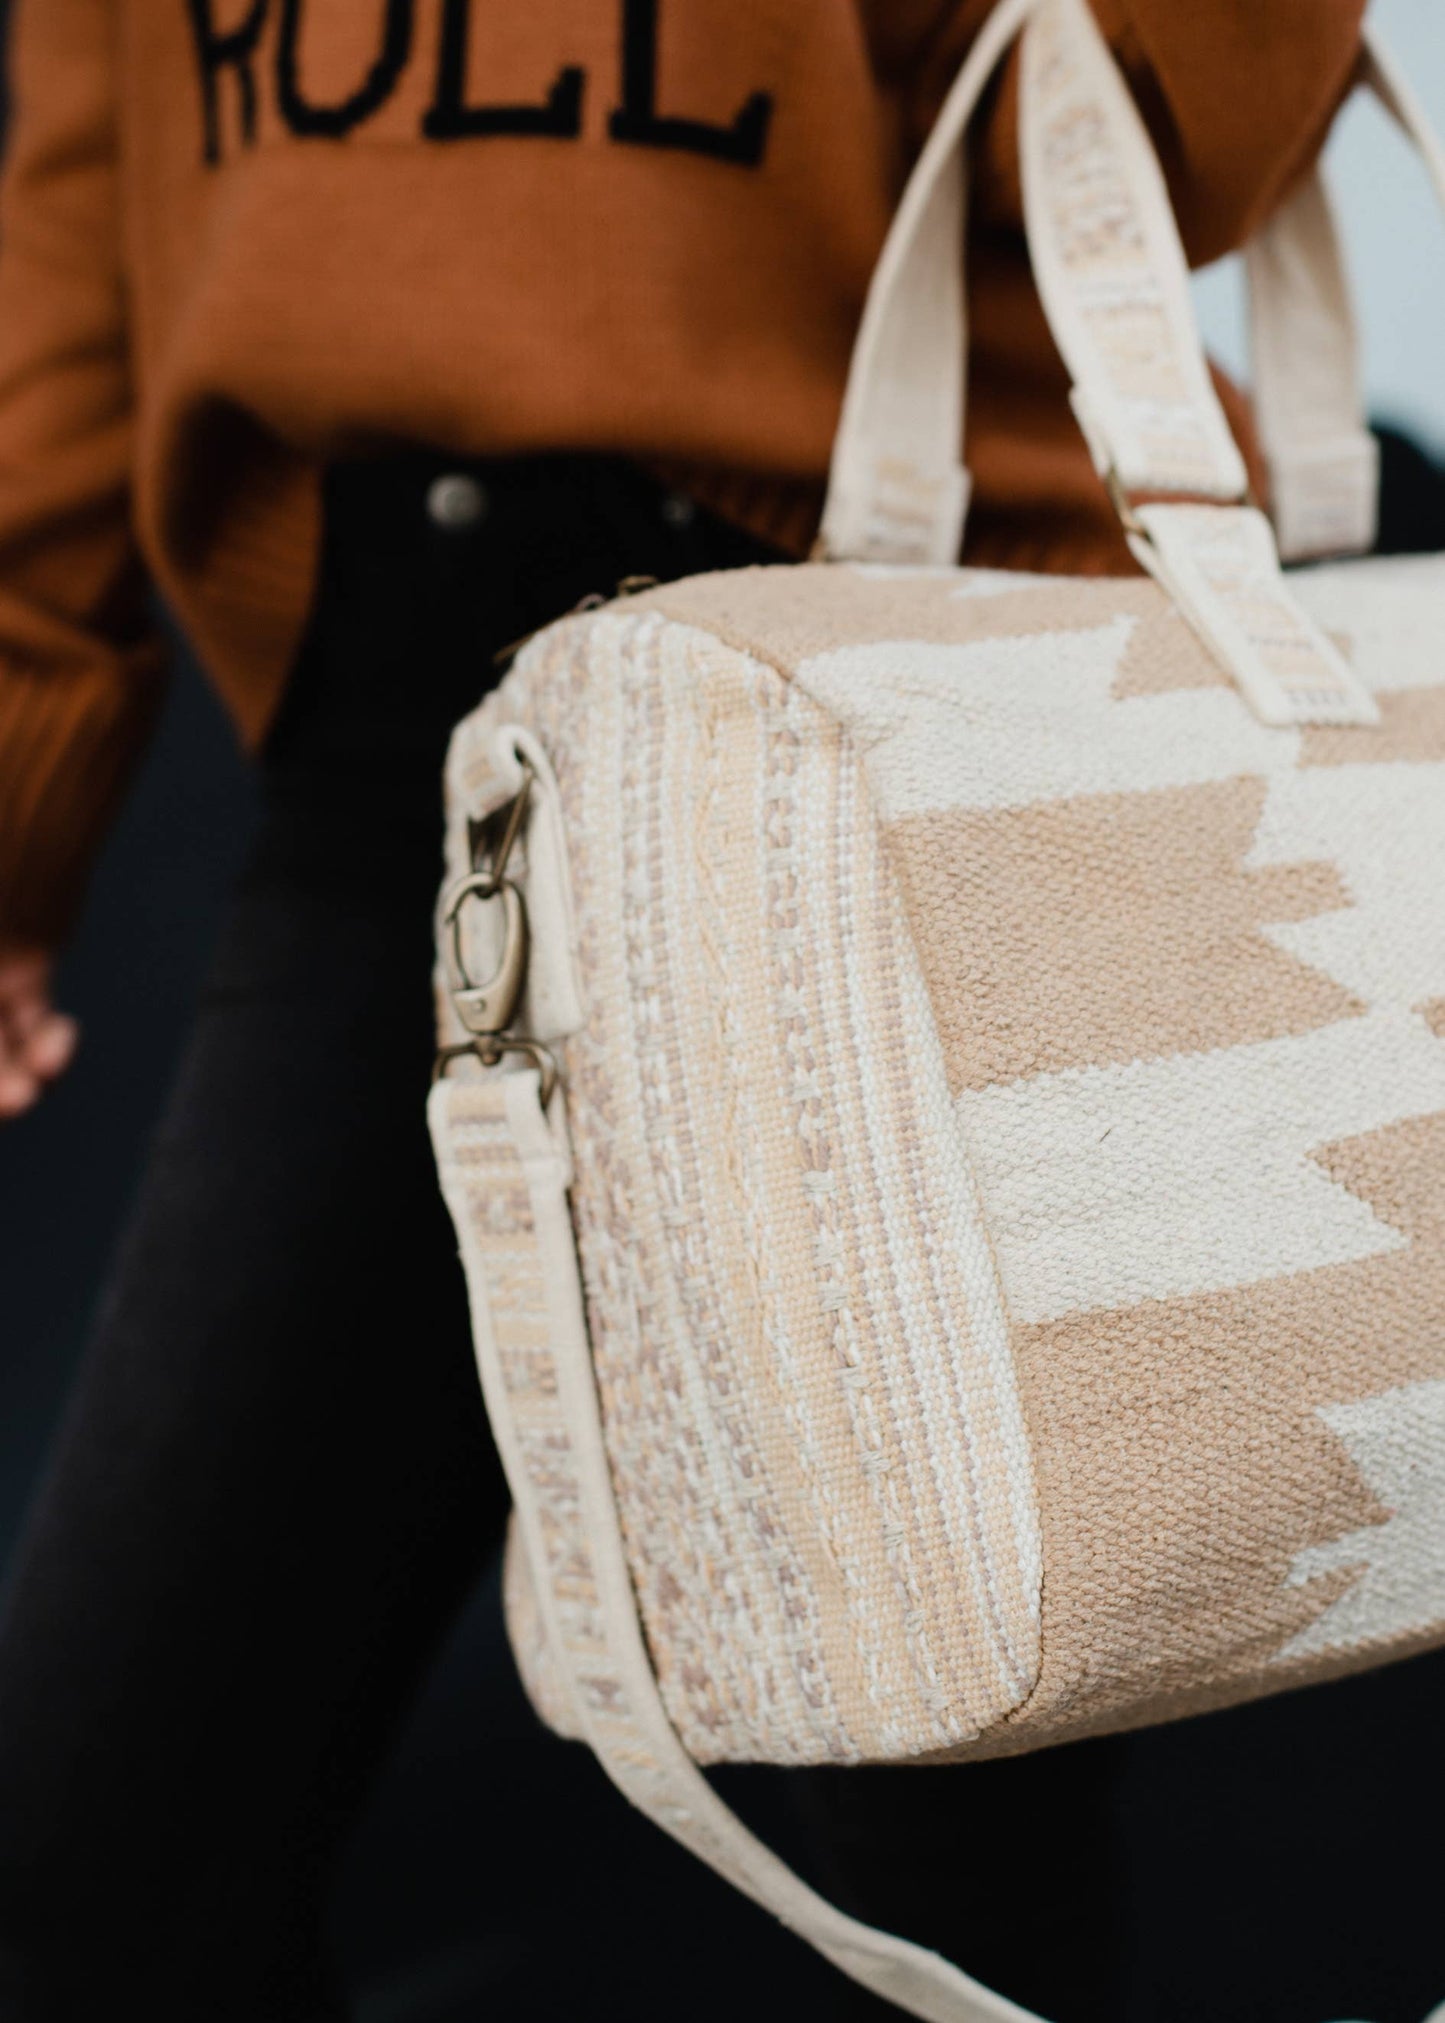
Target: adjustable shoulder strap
[(505, 1175)]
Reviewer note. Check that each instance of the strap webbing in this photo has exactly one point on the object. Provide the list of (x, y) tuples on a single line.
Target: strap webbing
[(505, 1175), (1323, 459), (1220, 568), (898, 490), (1110, 269)]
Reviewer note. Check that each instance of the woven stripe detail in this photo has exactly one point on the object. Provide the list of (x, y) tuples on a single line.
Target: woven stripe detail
[(803, 1360)]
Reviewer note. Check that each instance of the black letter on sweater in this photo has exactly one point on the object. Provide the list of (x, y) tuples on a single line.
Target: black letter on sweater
[(637, 119), (219, 50), (451, 118), (334, 122)]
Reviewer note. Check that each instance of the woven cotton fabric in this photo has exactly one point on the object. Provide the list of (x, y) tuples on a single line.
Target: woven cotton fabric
[(1009, 1127)]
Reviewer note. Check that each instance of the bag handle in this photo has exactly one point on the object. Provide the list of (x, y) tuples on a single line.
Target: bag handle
[(1323, 460), (1111, 271), (1386, 78), (898, 490), (1114, 284), (1115, 287)]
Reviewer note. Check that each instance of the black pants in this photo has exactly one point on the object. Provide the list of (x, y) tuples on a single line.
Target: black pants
[(275, 1483)]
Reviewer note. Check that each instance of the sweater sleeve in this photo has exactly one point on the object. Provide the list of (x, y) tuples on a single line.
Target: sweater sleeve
[(1238, 96), (79, 660)]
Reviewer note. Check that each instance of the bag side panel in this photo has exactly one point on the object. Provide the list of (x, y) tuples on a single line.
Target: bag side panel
[(808, 1399)]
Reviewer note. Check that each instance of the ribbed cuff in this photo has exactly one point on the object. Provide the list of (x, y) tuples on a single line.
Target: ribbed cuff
[(68, 743)]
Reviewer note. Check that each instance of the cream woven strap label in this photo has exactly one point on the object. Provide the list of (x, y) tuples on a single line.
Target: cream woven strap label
[(1219, 565), (1110, 269), (1113, 278), (505, 1174)]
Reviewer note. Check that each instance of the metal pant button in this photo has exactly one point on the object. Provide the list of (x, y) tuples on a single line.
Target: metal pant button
[(455, 501)]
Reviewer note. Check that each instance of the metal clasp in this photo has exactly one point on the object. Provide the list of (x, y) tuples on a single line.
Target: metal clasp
[(1123, 505), (487, 1007), (490, 1053), (1127, 506)]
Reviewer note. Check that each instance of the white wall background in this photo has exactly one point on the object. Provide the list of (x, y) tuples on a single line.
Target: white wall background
[(1394, 239)]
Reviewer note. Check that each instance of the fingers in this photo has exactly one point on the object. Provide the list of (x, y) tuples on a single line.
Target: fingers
[(50, 1048), (37, 1043), (29, 1060), (18, 1088)]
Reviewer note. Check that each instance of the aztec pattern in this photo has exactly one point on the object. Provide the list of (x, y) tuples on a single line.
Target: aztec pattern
[(1010, 1137), (808, 1398)]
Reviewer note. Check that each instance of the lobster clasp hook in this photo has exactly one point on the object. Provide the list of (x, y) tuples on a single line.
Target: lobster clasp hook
[(487, 1007)]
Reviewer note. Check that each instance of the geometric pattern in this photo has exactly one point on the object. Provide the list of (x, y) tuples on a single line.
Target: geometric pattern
[(1010, 1133)]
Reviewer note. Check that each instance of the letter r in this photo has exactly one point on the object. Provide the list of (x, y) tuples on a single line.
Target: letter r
[(221, 49)]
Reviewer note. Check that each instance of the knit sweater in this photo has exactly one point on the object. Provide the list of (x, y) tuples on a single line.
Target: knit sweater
[(239, 238)]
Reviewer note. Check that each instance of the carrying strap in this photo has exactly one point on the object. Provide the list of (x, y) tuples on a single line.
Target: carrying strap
[(1323, 459), (897, 489), (1221, 570), (1111, 272), (505, 1173), (1112, 276), (1123, 319), (1114, 284), (1384, 76)]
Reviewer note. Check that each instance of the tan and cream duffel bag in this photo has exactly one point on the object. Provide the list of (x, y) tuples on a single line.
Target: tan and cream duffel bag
[(948, 1142)]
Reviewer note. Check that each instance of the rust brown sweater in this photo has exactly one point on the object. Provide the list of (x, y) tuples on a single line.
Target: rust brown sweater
[(238, 237)]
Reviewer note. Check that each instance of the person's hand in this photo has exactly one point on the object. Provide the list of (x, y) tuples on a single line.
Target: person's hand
[(37, 1042)]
